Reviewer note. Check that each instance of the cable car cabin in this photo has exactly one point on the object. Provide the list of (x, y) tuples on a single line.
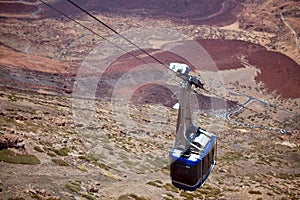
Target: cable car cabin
[(189, 170), (193, 155)]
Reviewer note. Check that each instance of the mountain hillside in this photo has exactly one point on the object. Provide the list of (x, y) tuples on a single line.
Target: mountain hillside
[(86, 115)]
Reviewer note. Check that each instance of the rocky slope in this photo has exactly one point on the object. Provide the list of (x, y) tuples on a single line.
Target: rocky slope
[(76, 126)]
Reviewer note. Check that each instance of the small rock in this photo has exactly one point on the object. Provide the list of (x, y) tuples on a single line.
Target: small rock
[(10, 141), (93, 189), (123, 133), (42, 192), (97, 183), (30, 190), (223, 170)]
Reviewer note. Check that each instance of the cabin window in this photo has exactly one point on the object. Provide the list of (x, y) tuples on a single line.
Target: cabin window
[(184, 173), (211, 155), (205, 165)]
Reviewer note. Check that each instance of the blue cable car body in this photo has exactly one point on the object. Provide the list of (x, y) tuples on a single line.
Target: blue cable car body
[(193, 156), (189, 172)]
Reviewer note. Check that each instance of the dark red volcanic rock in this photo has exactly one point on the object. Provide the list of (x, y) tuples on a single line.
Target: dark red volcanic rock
[(278, 72), (154, 94), (17, 8), (127, 62), (22, 71), (164, 95), (225, 53), (210, 12)]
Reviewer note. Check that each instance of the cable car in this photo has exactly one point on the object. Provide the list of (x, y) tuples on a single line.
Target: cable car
[(193, 156)]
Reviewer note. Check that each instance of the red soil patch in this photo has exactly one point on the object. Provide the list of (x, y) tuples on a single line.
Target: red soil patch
[(153, 94), (11, 58), (160, 94), (279, 73), (30, 72), (127, 62), (210, 12), (16, 8), (226, 53)]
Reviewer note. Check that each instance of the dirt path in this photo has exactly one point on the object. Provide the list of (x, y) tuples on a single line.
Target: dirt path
[(292, 30)]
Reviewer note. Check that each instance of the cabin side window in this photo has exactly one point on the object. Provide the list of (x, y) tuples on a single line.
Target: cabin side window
[(208, 161), (205, 165), (211, 155), (184, 173)]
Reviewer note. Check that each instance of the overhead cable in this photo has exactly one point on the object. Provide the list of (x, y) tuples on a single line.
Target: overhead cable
[(136, 46)]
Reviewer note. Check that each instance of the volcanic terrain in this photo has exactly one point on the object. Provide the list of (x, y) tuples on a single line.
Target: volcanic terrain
[(87, 115)]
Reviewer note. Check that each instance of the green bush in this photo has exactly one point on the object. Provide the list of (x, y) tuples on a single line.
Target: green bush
[(10, 156)]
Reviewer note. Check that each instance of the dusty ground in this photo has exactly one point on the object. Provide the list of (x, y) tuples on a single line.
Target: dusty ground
[(79, 160), (74, 146)]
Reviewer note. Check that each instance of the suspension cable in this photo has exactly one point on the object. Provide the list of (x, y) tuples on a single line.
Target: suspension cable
[(116, 32), (139, 48), (111, 42)]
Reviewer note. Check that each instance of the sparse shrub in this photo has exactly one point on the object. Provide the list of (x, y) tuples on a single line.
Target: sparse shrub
[(60, 162), (270, 194), (62, 152), (46, 143), (102, 166), (87, 196), (170, 187), (51, 154), (16, 198), (232, 156), (38, 149), (36, 196), (73, 186), (10, 156), (88, 158), (254, 192), (82, 168), (156, 183)]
